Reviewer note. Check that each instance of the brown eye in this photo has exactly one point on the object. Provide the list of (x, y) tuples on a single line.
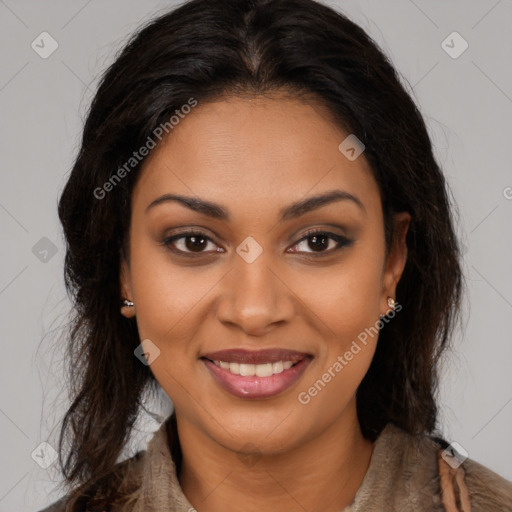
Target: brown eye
[(319, 242), (195, 243), (323, 242), (189, 243)]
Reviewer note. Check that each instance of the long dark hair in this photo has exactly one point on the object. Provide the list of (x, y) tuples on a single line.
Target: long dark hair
[(204, 50)]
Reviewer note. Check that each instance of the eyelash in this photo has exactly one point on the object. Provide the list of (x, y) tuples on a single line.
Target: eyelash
[(342, 241)]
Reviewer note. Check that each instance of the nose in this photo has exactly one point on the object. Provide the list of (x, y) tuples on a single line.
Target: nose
[(255, 297)]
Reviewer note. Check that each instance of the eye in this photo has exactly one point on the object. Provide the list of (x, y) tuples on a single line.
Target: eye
[(195, 242), (320, 242), (189, 242)]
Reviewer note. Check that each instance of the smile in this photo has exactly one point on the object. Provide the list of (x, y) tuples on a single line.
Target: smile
[(256, 374), (260, 370)]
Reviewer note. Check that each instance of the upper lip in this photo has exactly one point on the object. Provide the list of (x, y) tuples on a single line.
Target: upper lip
[(271, 355)]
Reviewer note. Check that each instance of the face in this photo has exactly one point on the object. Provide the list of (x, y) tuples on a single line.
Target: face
[(257, 269)]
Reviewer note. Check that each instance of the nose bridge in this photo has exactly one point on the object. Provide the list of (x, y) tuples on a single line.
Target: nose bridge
[(254, 298)]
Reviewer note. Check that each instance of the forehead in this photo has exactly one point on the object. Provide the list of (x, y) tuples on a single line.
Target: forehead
[(238, 150)]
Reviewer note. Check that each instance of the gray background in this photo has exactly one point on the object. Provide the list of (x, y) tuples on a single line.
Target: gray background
[(467, 102)]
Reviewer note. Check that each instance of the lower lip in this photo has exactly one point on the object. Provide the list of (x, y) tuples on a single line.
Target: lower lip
[(256, 387)]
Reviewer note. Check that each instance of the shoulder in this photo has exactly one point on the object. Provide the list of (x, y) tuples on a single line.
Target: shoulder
[(122, 482), (472, 486), (425, 470), (487, 490)]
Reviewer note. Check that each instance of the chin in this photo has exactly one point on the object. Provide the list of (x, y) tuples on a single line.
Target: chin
[(269, 432)]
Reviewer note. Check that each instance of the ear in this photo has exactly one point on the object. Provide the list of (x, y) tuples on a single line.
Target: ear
[(395, 262), (125, 287)]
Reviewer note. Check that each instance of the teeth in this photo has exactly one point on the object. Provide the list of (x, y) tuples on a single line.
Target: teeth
[(248, 370), (258, 370), (277, 367), (263, 370)]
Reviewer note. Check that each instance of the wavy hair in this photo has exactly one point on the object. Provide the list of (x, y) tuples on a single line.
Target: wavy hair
[(208, 50)]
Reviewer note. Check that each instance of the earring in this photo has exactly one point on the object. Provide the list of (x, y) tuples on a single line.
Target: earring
[(128, 308), (391, 304)]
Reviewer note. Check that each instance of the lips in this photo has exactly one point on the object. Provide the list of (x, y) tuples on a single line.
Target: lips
[(256, 374)]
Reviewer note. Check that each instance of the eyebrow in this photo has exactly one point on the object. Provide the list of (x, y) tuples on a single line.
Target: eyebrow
[(292, 211)]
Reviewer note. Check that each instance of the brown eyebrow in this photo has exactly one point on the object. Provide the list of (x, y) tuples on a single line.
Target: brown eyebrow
[(292, 211)]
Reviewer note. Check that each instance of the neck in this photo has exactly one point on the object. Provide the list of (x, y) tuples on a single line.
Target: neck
[(322, 475)]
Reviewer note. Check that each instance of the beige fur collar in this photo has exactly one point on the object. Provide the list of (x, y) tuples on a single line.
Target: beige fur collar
[(403, 475)]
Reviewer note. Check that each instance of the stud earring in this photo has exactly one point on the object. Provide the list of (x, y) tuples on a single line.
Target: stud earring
[(391, 304), (128, 308)]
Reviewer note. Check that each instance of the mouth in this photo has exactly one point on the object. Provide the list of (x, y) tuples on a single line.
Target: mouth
[(256, 374)]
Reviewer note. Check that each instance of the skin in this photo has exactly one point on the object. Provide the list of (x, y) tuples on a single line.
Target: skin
[(254, 156)]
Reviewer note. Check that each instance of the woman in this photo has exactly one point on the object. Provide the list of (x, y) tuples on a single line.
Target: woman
[(242, 231)]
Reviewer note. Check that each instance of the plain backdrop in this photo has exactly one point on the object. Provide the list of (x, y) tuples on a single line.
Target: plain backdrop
[(465, 96)]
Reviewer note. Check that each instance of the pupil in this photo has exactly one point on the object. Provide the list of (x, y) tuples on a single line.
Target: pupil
[(315, 239), (195, 244)]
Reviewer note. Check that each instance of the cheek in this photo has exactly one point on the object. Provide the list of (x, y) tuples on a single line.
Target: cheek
[(169, 312), (166, 295), (345, 297), (348, 306)]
